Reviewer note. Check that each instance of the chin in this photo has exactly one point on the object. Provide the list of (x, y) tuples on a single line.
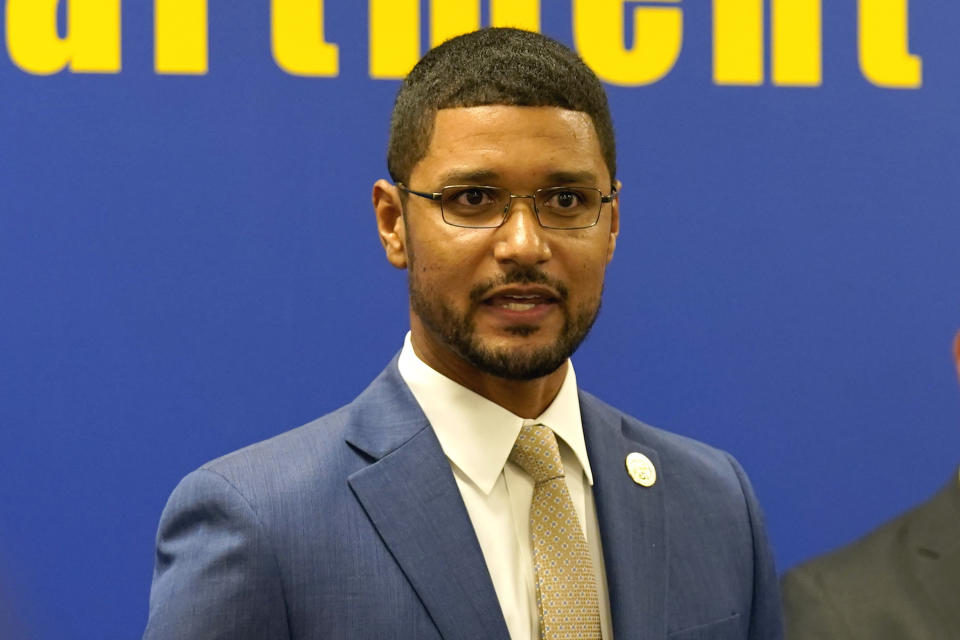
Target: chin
[(516, 359)]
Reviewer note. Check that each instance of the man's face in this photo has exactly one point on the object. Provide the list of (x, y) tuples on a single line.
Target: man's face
[(517, 300)]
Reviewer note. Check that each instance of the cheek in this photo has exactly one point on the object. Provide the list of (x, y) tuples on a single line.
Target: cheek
[(585, 279), (588, 259), (444, 265)]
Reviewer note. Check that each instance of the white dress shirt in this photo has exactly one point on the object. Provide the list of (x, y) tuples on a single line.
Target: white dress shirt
[(477, 436)]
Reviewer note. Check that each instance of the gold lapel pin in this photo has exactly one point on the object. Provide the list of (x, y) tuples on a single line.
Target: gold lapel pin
[(641, 469)]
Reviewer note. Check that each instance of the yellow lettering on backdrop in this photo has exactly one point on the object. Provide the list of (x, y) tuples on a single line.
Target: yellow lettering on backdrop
[(395, 28), (297, 38), (885, 58), (180, 36), (797, 42), (449, 18), (92, 43), (394, 37), (598, 28), (522, 14), (738, 42)]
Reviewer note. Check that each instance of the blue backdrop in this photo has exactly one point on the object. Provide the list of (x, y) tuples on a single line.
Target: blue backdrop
[(189, 262)]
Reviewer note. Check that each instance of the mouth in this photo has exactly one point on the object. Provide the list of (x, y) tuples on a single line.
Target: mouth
[(521, 299)]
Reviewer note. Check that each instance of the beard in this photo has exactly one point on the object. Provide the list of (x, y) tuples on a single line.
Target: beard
[(458, 331)]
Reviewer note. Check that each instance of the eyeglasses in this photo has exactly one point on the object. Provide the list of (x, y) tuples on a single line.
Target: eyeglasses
[(478, 207)]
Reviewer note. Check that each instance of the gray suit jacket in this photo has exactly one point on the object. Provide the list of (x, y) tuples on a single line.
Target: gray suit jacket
[(900, 582), (352, 526)]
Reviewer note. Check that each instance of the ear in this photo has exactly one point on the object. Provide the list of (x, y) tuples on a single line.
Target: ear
[(388, 208), (614, 222), (956, 351)]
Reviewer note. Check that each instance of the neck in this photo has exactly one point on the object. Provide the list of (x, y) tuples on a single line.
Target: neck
[(524, 398)]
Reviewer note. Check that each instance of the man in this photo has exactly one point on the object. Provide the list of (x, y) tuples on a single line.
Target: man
[(471, 491), (900, 582)]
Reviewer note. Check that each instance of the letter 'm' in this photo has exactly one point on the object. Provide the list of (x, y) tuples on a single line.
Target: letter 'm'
[(797, 58), (297, 38), (395, 28), (394, 37), (598, 34), (885, 58), (180, 36), (738, 42)]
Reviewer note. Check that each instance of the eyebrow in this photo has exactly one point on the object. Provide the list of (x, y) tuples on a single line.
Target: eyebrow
[(572, 177), (479, 176), (483, 176)]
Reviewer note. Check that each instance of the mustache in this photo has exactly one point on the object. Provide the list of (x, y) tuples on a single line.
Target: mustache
[(519, 275)]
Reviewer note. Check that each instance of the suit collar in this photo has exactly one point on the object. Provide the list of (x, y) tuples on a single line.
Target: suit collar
[(385, 416), (410, 495), (632, 523)]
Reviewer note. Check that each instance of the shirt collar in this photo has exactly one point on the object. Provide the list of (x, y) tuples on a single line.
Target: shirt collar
[(477, 434)]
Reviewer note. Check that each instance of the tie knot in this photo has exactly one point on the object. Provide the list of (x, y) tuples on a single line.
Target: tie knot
[(537, 453)]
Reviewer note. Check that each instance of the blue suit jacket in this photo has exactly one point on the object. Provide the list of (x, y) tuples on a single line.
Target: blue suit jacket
[(352, 526)]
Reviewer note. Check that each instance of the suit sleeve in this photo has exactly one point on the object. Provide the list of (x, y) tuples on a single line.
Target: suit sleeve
[(216, 575), (766, 617), (808, 610)]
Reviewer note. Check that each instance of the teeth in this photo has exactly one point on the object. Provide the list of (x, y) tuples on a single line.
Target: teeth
[(518, 306)]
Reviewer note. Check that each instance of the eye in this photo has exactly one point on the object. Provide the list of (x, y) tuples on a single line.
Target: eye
[(470, 197), (564, 199)]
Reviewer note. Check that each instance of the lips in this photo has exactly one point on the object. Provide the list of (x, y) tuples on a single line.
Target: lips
[(521, 298)]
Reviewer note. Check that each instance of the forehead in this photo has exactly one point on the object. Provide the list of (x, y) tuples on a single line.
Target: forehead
[(511, 143)]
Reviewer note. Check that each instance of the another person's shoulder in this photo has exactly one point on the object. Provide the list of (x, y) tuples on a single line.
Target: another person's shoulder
[(870, 584), (854, 570)]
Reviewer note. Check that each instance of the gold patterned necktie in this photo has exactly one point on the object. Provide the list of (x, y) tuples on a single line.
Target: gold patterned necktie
[(566, 591)]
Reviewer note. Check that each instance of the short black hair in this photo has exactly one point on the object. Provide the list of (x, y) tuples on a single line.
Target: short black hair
[(493, 66)]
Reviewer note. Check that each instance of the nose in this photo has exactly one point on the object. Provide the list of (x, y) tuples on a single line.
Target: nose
[(520, 239)]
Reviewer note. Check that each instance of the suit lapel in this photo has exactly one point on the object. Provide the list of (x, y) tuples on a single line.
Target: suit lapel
[(631, 519), (410, 495)]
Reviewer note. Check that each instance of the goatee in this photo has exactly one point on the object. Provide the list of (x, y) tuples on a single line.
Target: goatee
[(458, 331)]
